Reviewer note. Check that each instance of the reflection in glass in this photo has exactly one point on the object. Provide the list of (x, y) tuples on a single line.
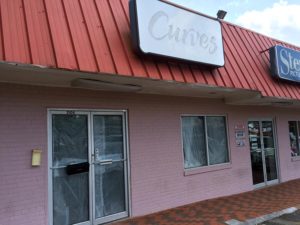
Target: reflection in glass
[(109, 183), (263, 153), (108, 137), (70, 139), (269, 150), (70, 197), (109, 189), (194, 144), (256, 152), (217, 140), (70, 192), (294, 138)]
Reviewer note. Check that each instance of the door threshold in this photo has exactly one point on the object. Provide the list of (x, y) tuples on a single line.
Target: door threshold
[(255, 187)]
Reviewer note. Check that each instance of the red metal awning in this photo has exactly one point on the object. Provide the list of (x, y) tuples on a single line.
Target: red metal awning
[(94, 36)]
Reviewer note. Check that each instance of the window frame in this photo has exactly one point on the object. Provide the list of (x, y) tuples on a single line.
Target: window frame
[(208, 167)]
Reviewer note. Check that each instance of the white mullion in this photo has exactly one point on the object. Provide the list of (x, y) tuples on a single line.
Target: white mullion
[(297, 133), (125, 162), (206, 141), (262, 145), (50, 164), (91, 171)]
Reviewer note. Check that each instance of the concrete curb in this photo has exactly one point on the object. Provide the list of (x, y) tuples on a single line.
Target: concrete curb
[(262, 218)]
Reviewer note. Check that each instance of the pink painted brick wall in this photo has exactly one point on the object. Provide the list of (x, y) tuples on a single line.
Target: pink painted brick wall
[(156, 158)]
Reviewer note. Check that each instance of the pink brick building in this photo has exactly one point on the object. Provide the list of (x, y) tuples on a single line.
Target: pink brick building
[(122, 134)]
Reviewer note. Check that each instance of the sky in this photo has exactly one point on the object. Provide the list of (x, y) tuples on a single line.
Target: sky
[(279, 19)]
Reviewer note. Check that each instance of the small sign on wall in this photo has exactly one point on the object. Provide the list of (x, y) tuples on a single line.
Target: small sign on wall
[(36, 157), (240, 135)]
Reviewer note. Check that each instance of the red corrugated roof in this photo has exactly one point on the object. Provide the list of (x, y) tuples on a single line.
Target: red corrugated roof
[(94, 36)]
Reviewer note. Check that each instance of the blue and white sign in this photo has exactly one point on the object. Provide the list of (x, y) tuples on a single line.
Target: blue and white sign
[(285, 63)]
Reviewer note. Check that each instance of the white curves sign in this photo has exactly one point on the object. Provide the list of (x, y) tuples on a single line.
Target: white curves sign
[(164, 29)]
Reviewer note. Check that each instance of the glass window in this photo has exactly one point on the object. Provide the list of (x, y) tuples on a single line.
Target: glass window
[(294, 137), (204, 141)]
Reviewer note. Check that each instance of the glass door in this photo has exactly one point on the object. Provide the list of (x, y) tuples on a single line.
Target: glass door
[(88, 167), (263, 152), (70, 168), (109, 167)]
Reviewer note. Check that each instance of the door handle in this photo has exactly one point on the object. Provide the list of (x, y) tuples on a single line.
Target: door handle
[(106, 162), (58, 167)]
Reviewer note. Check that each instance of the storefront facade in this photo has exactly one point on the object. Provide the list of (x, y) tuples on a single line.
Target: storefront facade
[(150, 135)]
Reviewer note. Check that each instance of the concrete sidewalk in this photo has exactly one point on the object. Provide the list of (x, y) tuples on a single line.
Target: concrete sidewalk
[(239, 207), (286, 219)]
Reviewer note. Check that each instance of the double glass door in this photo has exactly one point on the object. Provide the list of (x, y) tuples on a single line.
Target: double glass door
[(88, 167), (263, 152)]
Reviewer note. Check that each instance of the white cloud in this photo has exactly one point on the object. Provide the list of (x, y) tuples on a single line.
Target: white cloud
[(237, 3), (281, 21)]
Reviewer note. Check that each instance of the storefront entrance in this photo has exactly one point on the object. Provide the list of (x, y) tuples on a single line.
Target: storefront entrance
[(88, 176), (263, 152)]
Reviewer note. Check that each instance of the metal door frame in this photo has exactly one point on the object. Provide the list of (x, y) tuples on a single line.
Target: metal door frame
[(89, 113), (125, 163), (266, 182)]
